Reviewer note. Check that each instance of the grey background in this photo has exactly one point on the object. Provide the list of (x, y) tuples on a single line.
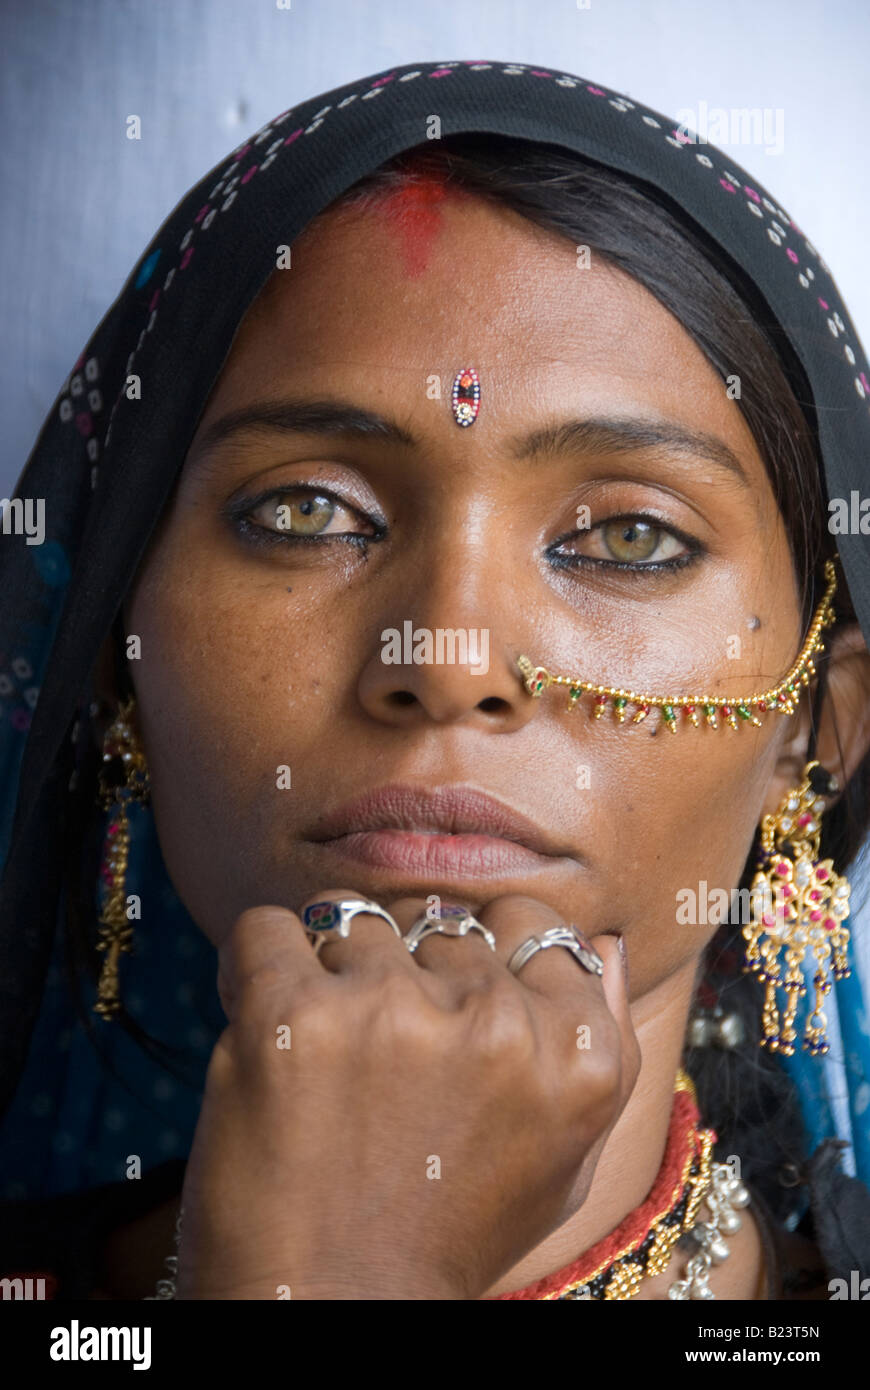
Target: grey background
[(80, 201)]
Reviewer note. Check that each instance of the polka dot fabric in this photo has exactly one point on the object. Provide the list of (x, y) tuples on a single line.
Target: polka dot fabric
[(106, 460)]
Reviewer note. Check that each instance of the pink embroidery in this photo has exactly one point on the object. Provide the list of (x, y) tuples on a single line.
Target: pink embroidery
[(185, 260), (729, 187), (154, 298), (242, 152), (294, 136), (249, 173), (596, 91), (383, 80), (85, 424), (751, 193), (202, 212), (792, 255)]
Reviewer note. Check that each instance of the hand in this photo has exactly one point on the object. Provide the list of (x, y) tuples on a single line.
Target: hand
[(432, 1120)]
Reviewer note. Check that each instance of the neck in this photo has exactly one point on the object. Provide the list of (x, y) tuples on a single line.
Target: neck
[(632, 1156)]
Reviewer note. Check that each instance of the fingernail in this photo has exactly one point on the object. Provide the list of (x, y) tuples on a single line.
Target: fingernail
[(620, 941)]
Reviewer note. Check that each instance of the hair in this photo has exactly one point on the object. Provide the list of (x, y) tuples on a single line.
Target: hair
[(744, 1093)]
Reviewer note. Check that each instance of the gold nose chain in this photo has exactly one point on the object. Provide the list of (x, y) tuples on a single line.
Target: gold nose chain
[(732, 709)]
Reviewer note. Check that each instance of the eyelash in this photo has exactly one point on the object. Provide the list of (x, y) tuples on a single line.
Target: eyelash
[(677, 562), (238, 514)]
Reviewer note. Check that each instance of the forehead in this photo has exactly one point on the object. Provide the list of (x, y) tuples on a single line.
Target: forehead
[(381, 299)]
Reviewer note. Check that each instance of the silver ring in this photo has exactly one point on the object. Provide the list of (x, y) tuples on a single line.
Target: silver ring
[(451, 921), (566, 935), (330, 921)]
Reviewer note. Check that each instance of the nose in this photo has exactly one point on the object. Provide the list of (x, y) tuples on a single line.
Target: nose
[(448, 675), (440, 655)]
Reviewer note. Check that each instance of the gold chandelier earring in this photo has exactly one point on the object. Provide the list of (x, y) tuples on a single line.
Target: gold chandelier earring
[(799, 905), (123, 778)]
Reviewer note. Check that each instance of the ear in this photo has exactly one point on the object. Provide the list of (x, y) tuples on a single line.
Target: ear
[(105, 691), (843, 736), (104, 684)]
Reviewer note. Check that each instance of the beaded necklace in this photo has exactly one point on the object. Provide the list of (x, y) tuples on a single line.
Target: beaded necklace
[(643, 1243)]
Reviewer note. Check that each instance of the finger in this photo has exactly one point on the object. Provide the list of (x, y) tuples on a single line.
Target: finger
[(371, 944), (552, 971), (264, 944), (449, 956), (616, 991)]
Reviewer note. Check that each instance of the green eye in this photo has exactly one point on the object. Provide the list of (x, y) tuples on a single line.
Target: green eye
[(630, 540), (632, 543), (304, 517)]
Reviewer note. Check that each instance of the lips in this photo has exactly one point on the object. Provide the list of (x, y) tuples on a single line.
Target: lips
[(454, 819)]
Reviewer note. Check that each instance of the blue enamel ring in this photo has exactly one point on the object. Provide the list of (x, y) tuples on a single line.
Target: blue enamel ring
[(330, 921), (450, 921)]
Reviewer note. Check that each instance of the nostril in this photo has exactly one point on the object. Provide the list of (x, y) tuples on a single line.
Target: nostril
[(403, 697), (493, 704)]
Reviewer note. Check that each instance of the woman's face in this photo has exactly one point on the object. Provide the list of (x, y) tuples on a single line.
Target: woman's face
[(263, 655)]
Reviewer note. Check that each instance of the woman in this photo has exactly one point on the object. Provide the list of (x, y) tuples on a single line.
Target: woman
[(302, 607)]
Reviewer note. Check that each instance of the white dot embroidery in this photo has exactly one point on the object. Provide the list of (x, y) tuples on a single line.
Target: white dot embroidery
[(776, 232)]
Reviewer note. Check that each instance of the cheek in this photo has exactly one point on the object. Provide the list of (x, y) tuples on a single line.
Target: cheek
[(676, 821), (230, 687)]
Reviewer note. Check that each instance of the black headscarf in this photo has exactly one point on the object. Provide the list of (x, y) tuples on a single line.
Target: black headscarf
[(106, 461)]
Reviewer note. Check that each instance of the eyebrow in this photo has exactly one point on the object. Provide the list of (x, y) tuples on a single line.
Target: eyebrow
[(596, 434), (627, 434), (329, 417)]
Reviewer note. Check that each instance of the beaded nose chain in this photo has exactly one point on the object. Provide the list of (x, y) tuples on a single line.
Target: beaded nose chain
[(732, 709)]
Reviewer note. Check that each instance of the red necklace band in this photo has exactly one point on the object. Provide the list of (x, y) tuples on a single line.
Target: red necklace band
[(642, 1243)]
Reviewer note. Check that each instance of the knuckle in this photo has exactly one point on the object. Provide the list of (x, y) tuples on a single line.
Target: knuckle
[(401, 1014), (501, 1026), (602, 1085), (319, 1018), (265, 978), (244, 941)]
